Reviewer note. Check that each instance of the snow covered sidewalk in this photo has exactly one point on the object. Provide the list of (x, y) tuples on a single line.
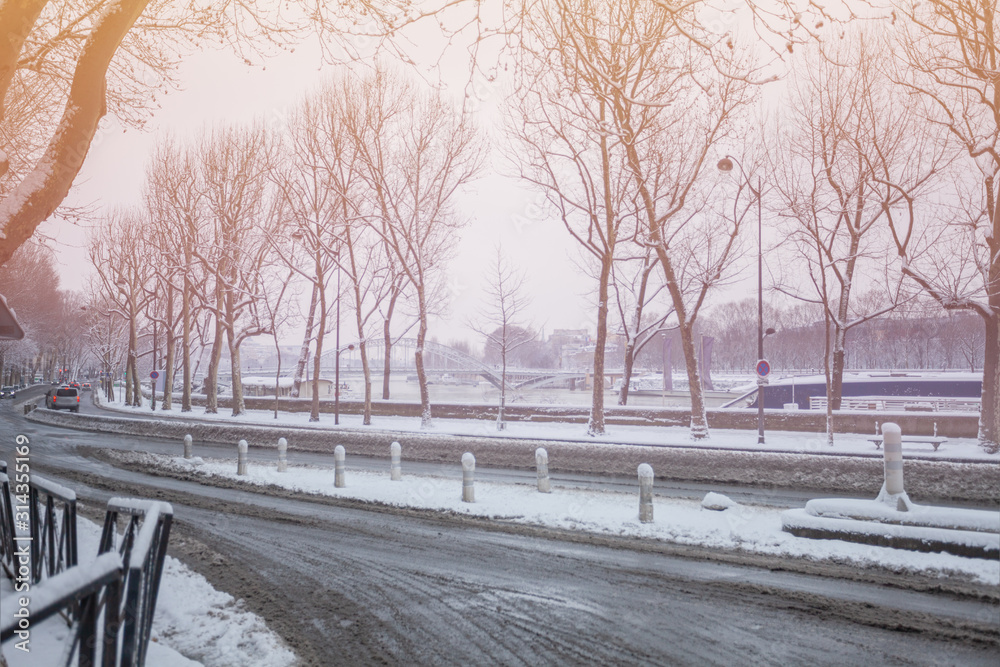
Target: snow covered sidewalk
[(955, 449), (747, 528), (194, 624)]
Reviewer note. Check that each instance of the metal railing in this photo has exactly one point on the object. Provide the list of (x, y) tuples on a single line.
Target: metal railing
[(901, 403), (6, 525), (52, 510), (143, 549), (91, 589)]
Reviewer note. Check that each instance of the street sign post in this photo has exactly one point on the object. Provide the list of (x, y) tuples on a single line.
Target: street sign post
[(153, 375), (763, 369)]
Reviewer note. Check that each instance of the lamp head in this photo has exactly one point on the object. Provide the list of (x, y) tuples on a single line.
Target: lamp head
[(725, 165), (769, 331)]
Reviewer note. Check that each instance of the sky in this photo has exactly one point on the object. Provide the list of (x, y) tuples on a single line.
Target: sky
[(217, 86)]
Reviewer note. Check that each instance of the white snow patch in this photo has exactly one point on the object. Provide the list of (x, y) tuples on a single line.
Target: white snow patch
[(749, 528), (717, 502)]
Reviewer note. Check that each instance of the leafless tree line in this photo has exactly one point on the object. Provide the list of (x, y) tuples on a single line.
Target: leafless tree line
[(879, 169), (354, 202)]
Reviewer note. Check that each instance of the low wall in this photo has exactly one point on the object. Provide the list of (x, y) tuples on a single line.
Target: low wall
[(947, 424), (926, 481)]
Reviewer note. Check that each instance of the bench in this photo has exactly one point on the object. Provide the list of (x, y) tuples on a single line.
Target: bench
[(913, 439)]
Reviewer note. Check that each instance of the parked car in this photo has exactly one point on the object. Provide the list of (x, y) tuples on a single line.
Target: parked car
[(7, 392), (63, 397)]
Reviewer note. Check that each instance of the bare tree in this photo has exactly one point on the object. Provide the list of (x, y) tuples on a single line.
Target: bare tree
[(235, 174), (500, 318), (842, 115), (416, 153), (634, 293), (566, 148), (174, 198), (660, 105), (91, 57), (948, 54), (117, 250), (314, 210)]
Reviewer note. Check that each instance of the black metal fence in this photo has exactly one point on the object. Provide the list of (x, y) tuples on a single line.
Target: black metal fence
[(143, 549), (111, 600), (6, 525), (52, 510)]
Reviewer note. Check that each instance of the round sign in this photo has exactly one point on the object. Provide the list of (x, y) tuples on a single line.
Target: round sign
[(155, 375), (763, 368)]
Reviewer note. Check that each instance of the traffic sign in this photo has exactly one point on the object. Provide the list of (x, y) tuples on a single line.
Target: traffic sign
[(154, 375), (763, 368)]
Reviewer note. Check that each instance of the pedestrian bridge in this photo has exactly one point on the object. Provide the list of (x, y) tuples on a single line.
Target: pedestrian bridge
[(442, 359)]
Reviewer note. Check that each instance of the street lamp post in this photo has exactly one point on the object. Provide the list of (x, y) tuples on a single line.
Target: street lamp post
[(336, 380), (726, 165)]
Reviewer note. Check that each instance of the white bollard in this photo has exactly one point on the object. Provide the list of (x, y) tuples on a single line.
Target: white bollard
[(282, 455), (241, 460), (468, 478), (645, 493), (892, 455), (188, 446), (338, 459), (396, 467), (542, 465)]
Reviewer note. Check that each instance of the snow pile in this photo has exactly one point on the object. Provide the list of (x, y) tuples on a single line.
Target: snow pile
[(192, 620), (717, 502), (747, 528)]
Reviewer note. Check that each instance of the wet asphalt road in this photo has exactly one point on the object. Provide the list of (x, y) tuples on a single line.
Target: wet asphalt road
[(348, 585)]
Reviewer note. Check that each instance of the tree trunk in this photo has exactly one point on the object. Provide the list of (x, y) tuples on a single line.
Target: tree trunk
[(363, 347), (168, 369), (627, 372), (699, 420), (38, 195), (425, 397), (186, 337), (503, 384), (387, 342), (989, 415), (239, 407), (595, 425), (837, 368), (318, 359), (212, 376), (300, 366), (133, 396)]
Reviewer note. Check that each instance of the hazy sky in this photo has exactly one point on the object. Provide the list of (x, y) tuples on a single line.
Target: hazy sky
[(218, 87)]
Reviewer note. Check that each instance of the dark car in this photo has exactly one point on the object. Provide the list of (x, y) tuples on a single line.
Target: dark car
[(63, 397), (7, 392)]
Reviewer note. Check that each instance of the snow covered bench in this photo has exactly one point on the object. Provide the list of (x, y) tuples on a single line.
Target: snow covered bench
[(912, 439)]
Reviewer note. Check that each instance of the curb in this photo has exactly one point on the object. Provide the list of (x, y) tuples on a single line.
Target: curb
[(929, 480)]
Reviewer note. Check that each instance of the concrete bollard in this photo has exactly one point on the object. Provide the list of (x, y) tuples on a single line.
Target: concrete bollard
[(241, 461), (645, 493), (396, 467), (542, 465), (188, 446), (282, 455), (338, 459), (468, 478), (892, 455)]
